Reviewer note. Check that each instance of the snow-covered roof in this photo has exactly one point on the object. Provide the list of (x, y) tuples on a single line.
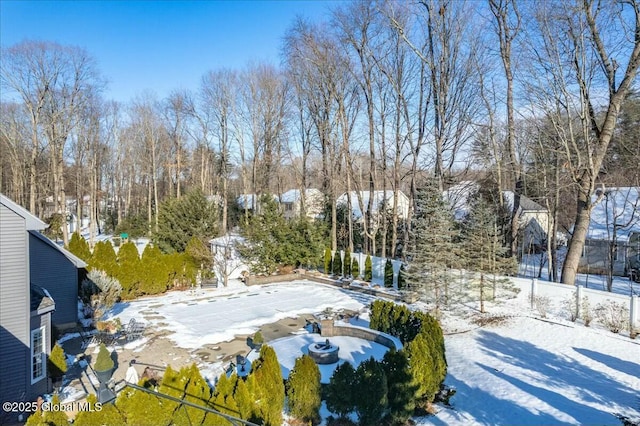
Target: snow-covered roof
[(458, 197), (526, 203), (293, 195), (250, 200), (33, 223), (619, 207), (379, 197)]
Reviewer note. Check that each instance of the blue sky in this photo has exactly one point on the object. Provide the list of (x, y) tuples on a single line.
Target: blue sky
[(159, 45)]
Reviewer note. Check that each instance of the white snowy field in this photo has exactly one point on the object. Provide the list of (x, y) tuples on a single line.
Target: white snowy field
[(523, 371)]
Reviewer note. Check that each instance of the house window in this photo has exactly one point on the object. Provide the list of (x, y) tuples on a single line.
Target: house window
[(288, 207), (38, 354)]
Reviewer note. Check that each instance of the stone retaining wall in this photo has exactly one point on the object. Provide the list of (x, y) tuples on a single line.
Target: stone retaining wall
[(359, 332)]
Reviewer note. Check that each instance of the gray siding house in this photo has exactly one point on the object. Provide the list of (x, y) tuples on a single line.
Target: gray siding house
[(26, 305)]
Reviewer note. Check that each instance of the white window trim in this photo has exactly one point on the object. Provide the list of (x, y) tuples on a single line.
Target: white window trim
[(43, 355)]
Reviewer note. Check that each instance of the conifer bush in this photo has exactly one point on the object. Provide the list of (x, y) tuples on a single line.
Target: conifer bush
[(371, 390), (368, 269), (347, 263), (355, 268), (104, 362), (337, 263), (104, 258), (401, 389), (402, 280), (388, 274), (340, 397), (268, 391), (57, 362), (304, 390), (79, 247), (327, 261)]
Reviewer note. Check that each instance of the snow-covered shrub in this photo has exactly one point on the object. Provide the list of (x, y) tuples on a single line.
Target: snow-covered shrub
[(587, 314), (542, 304), (613, 315), (571, 307)]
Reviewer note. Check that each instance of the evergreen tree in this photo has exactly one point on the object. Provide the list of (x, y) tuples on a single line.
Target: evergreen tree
[(432, 248), (401, 389), (180, 219), (355, 268), (242, 396), (104, 258), (371, 391), (155, 271), (108, 414), (49, 417), (340, 395), (79, 247), (347, 263), (402, 281), (269, 387), (337, 263), (327, 260), (198, 254), (223, 401), (57, 362), (388, 274), (303, 390), (129, 272), (197, 391), (368, 269), (484, 252)]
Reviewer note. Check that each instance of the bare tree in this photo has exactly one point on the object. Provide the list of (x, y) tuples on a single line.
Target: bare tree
[(591, 69)]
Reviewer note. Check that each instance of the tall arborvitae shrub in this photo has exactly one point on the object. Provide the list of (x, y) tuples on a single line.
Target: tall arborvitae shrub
[(327, 261), (49, 417), (355, 268), (388, 274), (347, 262), (108, 414), (402, 280), (129, 272), (104, 258), (80, 247), (368, 269), (304, 391), (401, 390), (223, 400), (371, 392), (196, 391), (337, 263), (339, 396), (244, 400), (155, 271), (269, 387)]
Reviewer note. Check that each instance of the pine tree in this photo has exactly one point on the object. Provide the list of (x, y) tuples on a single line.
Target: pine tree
[(401, 391), (484, 252), (269, 387), (303, 390), (347, 263), (337, 264), (368, 269), (432, 248), (388, 274), (79, 247), (327, 261), (340, 395), (371, 391), (355, 268)]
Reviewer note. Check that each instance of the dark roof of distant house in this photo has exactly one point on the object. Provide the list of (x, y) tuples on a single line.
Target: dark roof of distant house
[(41, 300)]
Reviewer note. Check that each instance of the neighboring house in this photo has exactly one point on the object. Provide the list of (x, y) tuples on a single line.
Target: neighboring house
[(381, 199), (291, 202), (250, 201), (614, 217), (534, 219), (25, 311)]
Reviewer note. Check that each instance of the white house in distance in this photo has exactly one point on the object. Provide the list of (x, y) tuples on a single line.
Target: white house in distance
[(614, 217), (291, 202), (380, 198)]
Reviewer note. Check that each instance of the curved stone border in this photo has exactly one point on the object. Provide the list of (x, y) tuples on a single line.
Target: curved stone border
[(331, 328)]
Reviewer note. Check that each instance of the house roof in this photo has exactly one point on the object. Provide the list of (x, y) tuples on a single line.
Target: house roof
[(293, 195), (77, 262), (32, 222), (378, 198), (619, 207), (40, 300), (248, 200), (526, 203)]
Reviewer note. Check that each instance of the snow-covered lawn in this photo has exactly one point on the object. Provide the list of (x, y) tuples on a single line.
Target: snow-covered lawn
[(525, 370)]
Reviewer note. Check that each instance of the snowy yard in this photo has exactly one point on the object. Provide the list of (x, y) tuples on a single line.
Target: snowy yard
[(523, 371)]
